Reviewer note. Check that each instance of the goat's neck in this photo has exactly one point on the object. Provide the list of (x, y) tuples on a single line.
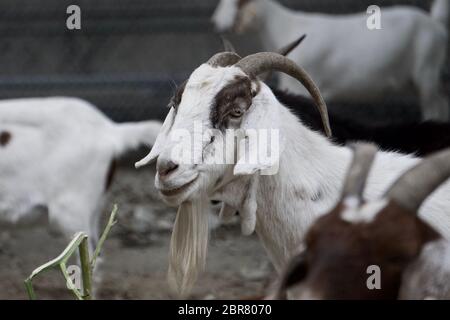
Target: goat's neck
[(273, 19), (306, 185)]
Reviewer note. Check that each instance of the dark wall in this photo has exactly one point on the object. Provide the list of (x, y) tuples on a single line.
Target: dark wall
[(128, 52), (124, 36)]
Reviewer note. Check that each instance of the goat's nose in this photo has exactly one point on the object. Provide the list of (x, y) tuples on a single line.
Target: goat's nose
[(165, 167)]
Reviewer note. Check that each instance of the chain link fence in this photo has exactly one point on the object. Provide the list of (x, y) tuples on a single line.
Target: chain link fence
[(128, 55)]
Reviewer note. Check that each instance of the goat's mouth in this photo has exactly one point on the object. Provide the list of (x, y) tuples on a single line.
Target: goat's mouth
[(178, 190)]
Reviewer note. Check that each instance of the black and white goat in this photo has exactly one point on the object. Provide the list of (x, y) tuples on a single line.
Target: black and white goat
[(384, 235), (57, 161), (350, 62), (292, 191)]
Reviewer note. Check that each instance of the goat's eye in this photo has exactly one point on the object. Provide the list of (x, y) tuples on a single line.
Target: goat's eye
[(236, 112)]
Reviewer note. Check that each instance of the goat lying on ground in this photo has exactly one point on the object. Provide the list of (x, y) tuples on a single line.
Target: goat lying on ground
[(294, 188), (410, 48), (386, 234), (417, 138), (57, 161)]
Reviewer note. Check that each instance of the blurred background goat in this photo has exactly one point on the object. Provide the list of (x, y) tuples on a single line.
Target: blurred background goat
[(349, 61)]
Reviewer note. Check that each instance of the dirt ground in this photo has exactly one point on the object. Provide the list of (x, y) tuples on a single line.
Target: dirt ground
[(134, 260)]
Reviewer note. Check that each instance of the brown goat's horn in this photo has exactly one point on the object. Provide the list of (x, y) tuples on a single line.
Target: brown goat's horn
[(257, 63), (224, 59), (414, 186), (227, 45), (284, 51), (363, 156)]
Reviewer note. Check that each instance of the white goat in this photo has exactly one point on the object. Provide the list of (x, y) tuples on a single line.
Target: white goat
[(349, 62), (56, 161), (225, 93)]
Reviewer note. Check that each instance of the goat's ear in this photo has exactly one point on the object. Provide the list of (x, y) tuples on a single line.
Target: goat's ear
[(160, 140), (260, 142)]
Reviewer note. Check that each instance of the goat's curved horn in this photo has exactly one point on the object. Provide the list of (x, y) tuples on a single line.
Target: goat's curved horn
[(224, 59), (414, 186), (227, 45), (257, 63), (363, 156), (284, 51)]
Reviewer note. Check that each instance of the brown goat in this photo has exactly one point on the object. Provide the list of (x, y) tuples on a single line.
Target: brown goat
[(356, 237)]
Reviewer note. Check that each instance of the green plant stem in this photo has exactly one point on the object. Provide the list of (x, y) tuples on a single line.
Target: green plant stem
[(59, 261), (111, 223), (69, 282), (86, 270), (80, 241), (30, 290)]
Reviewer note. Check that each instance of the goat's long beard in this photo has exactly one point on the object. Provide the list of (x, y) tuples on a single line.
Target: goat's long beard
[(188, 245)]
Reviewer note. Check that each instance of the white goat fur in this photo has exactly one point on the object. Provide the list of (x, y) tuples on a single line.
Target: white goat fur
[(308, 182), (349, 62), (428, 276), (58, 157)]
